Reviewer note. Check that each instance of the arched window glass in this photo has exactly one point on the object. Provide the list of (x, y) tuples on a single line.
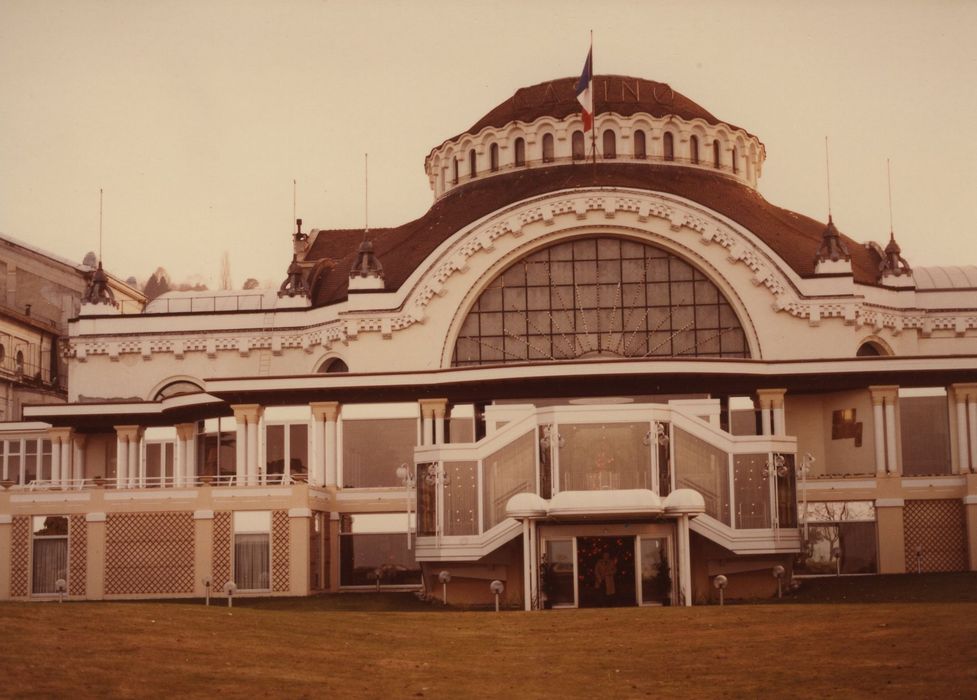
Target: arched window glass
[(333, 365), (472, 167), (599, 297), (520, 151), (577, 143), (454, 171), (19, 359), (639, 144), (715, 154), (736, 166), (610, 144), (547, 148), (3, 353), (668, 145), (870, 349), (494, 157), (177, 389), (694, 149)]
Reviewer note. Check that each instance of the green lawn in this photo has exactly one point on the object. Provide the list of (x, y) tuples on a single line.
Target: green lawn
[(393, 646)]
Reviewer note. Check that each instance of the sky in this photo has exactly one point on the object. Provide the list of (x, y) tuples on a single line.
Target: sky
[(195, 116)]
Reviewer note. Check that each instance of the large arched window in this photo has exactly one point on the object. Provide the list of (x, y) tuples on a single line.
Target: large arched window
[(599, 297), (716, 162), (454, 171), (735, 156), (577, 144), (472, 167), (668, 145), (520, 151), (640, 149), (694, 149), (177, 388), (494, 157), (610, 144), (547, 148), (333, 365)]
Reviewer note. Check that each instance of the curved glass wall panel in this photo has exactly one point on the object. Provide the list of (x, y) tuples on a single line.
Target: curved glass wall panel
[(507, 472), (599, 297)]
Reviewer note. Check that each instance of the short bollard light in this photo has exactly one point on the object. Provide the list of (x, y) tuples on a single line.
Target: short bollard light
[(497, 587), (378, 574), (230, 588), (445, 578), (207, 583), (61, 587), (720, 582), (778, 573)]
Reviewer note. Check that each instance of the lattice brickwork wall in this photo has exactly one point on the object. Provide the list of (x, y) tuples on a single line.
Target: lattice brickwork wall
[(149, 553), (221, 562), (20, 541), (938, 528), (78, 553), (279, 551)]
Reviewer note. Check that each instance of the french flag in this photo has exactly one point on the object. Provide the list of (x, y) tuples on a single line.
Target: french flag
[(585, 91)]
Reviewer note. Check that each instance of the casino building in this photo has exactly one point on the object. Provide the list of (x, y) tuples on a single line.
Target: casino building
[(601, 371)]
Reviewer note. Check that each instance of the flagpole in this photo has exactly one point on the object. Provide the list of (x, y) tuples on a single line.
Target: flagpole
[(593, 124)]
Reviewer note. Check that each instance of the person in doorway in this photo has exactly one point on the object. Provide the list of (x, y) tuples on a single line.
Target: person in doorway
[(604, 572)]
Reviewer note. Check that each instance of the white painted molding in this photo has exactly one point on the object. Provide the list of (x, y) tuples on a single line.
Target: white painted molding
[(152, 495), (6, 518), (203, 515), (95, 517), (251, 492), (890, 502), (300, 512)]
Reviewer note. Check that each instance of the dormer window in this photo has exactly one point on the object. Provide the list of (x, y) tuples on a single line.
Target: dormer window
[(472, 169), (494, 157), (736, 167), (715, 154), (610, 144), (577, 145), (668, 144), (520, 151), (547, 148), (640, 149), (694, 150), (454, 171)]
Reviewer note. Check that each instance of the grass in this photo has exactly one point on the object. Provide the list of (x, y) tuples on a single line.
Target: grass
[(393, 646)]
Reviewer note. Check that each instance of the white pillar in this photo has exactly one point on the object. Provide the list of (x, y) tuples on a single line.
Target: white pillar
[(890, 435), (66, 459), (963, 455), (252, 432), (325, 469), (765, 420), (78, 456), (526, 590), (778, 420), (55, 460), (240, 447), (121, 461), (179, 454), (134, 471), (684, 562), (426, 421), (190, 463), (317, 431), (879, 428), (972, 410)]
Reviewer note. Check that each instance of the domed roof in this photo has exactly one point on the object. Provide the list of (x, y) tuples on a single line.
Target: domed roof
[(621, 94)]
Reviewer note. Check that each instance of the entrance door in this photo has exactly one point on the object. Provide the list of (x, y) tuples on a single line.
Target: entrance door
[(605, 567)]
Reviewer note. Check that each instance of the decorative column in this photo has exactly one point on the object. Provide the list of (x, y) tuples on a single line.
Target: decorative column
[(126, 455), (184, 467), (884, 420), (772, 411), (684, 561), (325, 470), (433, 412), (135, 474), (248, 417), (78, 457), (527, 594)]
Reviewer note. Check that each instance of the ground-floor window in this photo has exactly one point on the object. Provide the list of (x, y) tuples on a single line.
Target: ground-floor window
[(558, 573), (656, 576), (50, 553), (25, 460), (252, 550), (373, 548), (840, 538)]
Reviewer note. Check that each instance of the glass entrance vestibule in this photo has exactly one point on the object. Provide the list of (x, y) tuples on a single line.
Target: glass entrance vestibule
[(618, 565)]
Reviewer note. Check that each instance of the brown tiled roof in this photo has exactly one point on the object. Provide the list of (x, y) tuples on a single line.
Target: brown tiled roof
[(620, 94), (793, 237)]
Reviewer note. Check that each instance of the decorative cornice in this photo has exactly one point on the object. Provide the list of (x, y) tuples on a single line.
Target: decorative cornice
[(553, 209)]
